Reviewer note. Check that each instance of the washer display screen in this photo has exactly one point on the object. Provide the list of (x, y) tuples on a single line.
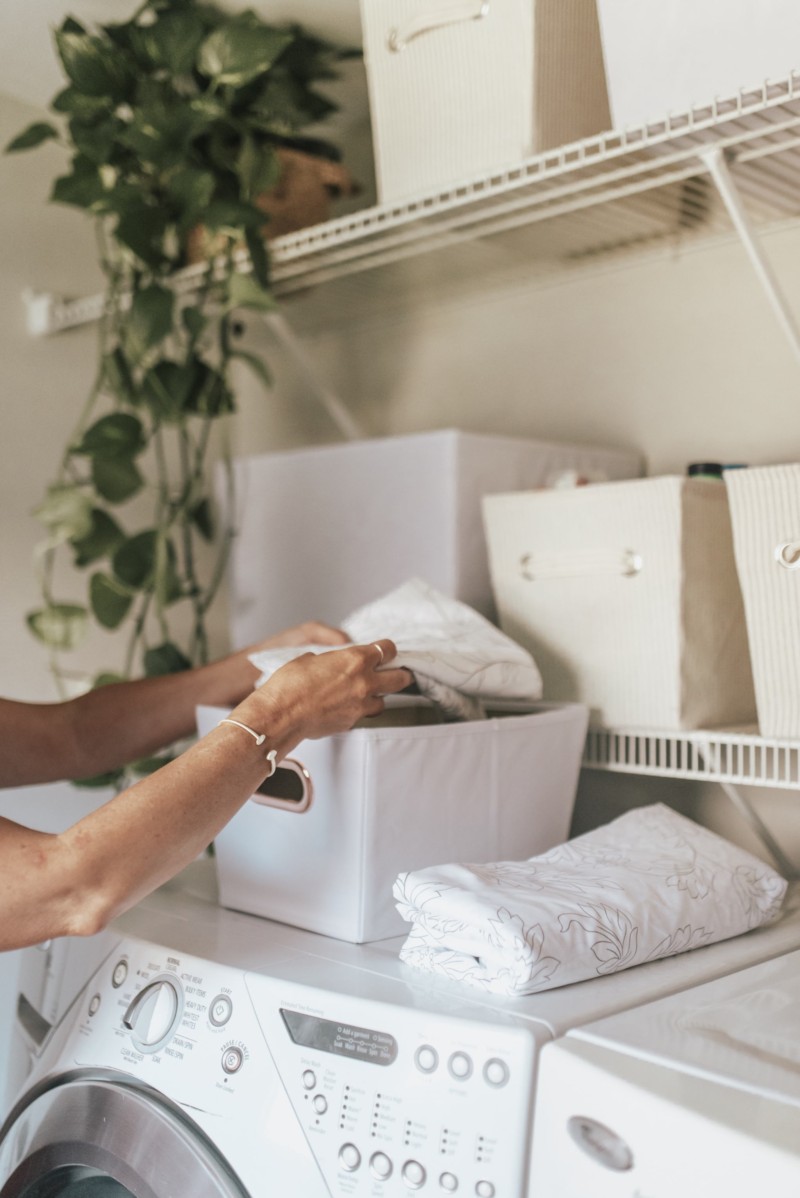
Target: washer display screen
[(343, 1039)]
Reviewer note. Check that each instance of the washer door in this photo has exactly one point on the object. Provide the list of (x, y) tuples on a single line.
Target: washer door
[(98, 1137)]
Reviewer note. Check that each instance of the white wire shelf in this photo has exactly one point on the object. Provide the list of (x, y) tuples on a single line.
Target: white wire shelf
[(731, 757), (621, 190)]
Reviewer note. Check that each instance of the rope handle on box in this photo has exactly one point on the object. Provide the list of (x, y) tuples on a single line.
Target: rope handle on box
[(399, 38), (588, 564), (787, 554)]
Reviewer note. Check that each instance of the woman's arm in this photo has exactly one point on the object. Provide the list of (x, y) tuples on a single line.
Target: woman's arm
[(75, 882), (119, 723)]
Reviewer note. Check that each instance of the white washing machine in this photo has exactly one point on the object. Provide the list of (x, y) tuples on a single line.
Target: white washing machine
[(697, 1094), (216, 1055)]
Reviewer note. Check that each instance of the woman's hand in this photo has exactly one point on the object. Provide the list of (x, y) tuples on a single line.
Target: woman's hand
[(324, 693)]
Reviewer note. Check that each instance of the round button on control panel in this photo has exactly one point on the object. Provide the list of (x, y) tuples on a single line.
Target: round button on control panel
[(309, 1079), (495, 1072), (349, 1157), (380, 1165), (120, 973), (426, 1058), (232, 1059), (449, 1182), (460, 1066), (413, 1174), (220, 1010), (484, 1189)]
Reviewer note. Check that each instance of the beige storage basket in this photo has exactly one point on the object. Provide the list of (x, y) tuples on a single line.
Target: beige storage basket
[(461, 88), (765, 510), (626, 593)]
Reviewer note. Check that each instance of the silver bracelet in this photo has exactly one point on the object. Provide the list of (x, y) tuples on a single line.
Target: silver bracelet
[(259, 738)]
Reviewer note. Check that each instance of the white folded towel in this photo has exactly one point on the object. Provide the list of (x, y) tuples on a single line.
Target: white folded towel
[(650, 884), (458, 658)]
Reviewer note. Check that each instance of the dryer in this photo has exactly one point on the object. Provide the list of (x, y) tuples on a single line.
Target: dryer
[(217, 1055), (696, 1094)]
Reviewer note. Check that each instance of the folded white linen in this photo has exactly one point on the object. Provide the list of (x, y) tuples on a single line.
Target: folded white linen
[(458, 658), (649, 884)]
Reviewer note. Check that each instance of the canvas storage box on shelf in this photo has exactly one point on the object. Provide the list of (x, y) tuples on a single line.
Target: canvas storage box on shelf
[(461, 88), (627, 596), (670, 57), (765, 511), (322, 531), (393, 798)]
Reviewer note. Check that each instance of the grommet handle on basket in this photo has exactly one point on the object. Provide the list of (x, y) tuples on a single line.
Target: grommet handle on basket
[(289, 788), (589, 564), (787, 555), (399, 38)]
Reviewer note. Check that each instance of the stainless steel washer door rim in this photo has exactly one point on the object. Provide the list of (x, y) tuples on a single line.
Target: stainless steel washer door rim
[(113, 1128)]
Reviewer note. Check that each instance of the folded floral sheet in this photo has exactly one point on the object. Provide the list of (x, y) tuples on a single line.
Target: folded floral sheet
[(647, 885), (459, 659)]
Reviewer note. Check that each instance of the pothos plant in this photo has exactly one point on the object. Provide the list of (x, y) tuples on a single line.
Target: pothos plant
[(172, 119)]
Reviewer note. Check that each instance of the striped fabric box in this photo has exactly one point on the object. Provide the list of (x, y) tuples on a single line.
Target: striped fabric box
[(765, 510), (461, 88)]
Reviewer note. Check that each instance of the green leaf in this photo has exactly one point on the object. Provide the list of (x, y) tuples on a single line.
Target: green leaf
[(259, 258), (202, 516), (116, 435), (116, 479), (83, 188), (194, 322), (258, 167), (142, 228), (147, 562), (240, 51), (60, 625), (213, 397), (231, 218), (103, 537), (95, 139), (149, 321), (149, 765), (107, 678), (168, 387), (173, 41), (91, 66), (165, 659), (113, 778), (75, 103), (117, 376), (66, 512), (134, 562), (33, 136), (244, 291), (256, 364), (110, 600)]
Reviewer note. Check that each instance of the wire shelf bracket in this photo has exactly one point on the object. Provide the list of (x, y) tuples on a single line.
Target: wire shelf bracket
[(730, 759)]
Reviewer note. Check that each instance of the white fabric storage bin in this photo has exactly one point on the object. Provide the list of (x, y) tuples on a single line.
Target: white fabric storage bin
[(388, 799), (627, 596), (461, 88), (675, 55), (323, 531), (765, 510)]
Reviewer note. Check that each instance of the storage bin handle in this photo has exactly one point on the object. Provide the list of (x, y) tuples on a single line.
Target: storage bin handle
[(289, 788), (400, 37), (588, 564), (787, 554)]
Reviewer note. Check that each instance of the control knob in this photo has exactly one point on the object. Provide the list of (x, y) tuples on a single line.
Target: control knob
[(153, 1014)]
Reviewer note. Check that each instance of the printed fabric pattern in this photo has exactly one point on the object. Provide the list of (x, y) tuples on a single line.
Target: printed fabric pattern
[(458, 658), (650, 884)]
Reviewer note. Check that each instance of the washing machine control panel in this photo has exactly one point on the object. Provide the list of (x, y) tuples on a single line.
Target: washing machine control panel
[(382, 1098)]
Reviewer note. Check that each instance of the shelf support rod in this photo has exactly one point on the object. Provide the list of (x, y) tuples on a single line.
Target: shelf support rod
[(284, 334), (746, 809), (717, 165)]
